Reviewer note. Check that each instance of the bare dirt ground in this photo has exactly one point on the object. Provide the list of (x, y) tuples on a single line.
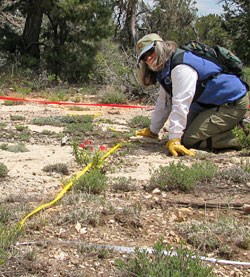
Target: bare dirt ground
[(55, 241)]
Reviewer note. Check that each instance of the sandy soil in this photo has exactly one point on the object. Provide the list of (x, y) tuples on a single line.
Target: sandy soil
[(52, 244)]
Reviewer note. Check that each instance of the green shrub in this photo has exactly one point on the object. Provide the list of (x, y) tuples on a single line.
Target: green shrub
[(59, 168), (93, 181), (60, 95), (162, 264), (123, 184), (78, 129), (182, 177), (235, 174), (12, 103), (243, 136), (17, 117), (21, 128), (18, 148), (62, 120), (87, 154), (114, 97), (139, 121), (3, 170), (209, 236)]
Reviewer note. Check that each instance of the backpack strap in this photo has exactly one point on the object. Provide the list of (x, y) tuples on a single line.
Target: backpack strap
[(177, 58)]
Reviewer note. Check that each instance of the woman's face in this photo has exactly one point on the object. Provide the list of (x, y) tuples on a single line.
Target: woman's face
[(151, 60), (149, 57)]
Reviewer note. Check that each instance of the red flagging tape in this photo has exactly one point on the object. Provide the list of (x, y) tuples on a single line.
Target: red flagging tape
[(76, 104), (72, 103)]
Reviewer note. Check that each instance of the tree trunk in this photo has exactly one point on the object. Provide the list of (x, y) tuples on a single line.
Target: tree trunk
[(32, 28), (129, 31)]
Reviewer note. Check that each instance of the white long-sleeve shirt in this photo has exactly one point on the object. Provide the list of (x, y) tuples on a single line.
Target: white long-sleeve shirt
[(176, 108)]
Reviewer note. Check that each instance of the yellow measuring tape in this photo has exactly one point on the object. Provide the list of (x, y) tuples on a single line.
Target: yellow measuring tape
[(67, 187)]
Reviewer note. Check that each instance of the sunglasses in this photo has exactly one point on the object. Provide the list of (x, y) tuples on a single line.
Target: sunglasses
[(147, 54)]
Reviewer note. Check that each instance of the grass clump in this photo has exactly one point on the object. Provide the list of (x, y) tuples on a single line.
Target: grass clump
[(93, 181), (62, 120), (22, 128), (181, 177), (123, 184), (50, 120), (58, 168), (163, 262), (3, 170), (8, 236), (60, 95), (17, 118), (12, 103), (219, 237), (17, 148), (139, 121), (2, 125), (5, 215), (83, 216), (78, 129), (235, 174)]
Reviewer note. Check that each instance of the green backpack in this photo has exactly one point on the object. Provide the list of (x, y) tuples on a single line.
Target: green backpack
[(221, 56)]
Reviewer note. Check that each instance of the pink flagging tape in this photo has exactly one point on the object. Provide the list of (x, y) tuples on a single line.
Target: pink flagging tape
[(74, 104)]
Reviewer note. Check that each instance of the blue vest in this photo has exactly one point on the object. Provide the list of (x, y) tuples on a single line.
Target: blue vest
[(213, 87)]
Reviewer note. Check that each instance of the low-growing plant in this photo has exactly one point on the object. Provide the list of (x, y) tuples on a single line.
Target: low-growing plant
[(180, 176), (243, 136), (20, 147), (60, 95), (79, 108), (58, 168), (24, 135), (93, 181), (21, 128), (51, 120), (82, 216), (209, 236), (12, 103), (114, 97), (245, 165), (8, 236), (48, 132), (78, 129), (87, 155), (3, 170), (2, 125), (4, 215), (235, 174), (62, 120), (122, 184), (139, 121), (17, 118), (24, 90), (163, 262), (30, 255)]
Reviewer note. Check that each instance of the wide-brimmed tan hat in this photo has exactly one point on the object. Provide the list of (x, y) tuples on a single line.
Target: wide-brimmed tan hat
[(146, 43)]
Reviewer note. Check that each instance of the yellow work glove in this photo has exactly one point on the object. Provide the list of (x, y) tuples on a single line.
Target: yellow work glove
[(174, 146), (146, 133)]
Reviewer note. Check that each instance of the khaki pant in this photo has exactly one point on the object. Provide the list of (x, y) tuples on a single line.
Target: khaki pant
[(212, 128)]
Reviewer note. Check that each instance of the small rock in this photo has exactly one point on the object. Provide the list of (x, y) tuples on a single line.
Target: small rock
[(246, 209), (64, 140), (156, 191)]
